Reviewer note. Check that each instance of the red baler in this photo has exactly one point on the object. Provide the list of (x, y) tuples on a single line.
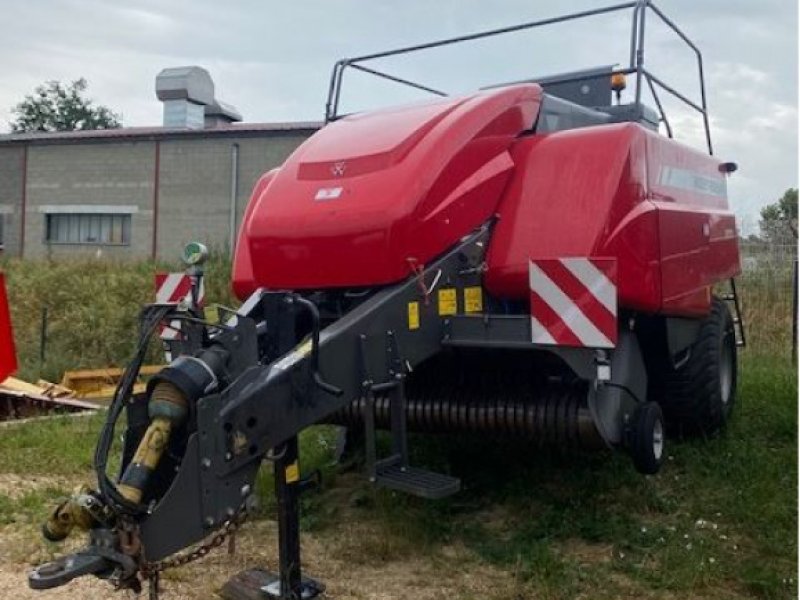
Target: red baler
[(530, 260)]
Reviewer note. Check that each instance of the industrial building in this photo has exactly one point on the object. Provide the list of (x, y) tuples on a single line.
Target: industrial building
[(139, 192)]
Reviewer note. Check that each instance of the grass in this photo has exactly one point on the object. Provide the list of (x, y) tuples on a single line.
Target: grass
[(92, 309), (719, 521)]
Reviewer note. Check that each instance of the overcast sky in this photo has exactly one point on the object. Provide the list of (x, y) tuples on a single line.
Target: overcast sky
[(272, 60)]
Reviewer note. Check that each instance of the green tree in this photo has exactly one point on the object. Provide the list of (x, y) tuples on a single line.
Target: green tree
[(779, 220), (57, 107)]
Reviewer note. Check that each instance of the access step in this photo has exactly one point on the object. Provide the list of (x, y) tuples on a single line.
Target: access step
[(419, 482)]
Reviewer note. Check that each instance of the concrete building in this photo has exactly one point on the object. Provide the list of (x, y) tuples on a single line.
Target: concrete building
[(139, 192)]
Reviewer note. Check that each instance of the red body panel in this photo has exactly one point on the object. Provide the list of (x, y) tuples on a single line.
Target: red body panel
[(8, 356), (623, 191), (698, 244), (371, 195)]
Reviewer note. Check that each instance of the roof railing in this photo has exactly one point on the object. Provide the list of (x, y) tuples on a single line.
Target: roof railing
[(636, 62)]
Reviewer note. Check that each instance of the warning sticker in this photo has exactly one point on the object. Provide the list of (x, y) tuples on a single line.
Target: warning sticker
[(293, 472), (473, 299), (413, 315), (448, 302)]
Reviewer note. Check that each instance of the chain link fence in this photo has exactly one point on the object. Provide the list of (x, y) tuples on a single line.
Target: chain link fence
[(768, 294)]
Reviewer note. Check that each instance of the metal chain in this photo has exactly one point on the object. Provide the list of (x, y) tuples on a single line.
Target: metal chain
[(150, 569)]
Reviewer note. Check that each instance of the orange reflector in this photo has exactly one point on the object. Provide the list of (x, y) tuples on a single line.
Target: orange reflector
[(618, 82)]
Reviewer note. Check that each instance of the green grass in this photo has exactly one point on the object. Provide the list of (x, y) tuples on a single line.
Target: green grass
[(719, 521), (92, 310)]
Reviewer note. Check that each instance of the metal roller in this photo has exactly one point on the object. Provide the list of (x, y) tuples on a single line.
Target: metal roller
[(499, 399)]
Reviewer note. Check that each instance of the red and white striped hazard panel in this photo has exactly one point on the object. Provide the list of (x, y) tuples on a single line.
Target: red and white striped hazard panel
[(175, 288), (574, 302)]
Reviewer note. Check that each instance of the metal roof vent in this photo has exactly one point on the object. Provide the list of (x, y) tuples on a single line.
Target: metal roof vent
[(188, 97)]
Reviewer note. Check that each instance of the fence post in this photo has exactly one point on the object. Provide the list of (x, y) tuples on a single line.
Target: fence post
[(43, 337)]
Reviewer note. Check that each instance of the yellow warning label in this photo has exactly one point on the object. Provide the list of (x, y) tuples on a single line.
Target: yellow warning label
[(448, 302), (413, 315), (473, 299), (293, 472)]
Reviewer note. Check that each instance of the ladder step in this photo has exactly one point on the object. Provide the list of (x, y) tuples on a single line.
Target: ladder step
[(418, 482), (728, 297)]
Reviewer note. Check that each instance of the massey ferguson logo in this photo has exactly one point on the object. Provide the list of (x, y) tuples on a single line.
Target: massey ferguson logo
[(337, 169)]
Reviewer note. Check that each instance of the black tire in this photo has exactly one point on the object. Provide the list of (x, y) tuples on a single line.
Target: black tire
[(698, 397), (646, 438)]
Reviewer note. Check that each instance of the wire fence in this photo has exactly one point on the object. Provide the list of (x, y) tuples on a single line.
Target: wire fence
[(768, 294)]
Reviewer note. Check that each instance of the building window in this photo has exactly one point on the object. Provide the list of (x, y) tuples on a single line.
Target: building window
[(104, 229)]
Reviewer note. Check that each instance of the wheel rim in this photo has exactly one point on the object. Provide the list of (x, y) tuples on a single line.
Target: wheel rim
[(726, 370), (658, 439)]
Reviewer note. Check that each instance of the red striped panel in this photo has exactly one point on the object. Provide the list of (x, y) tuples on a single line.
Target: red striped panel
[(551, 321), (583, 298), (179, 291), (182, 290), (575, 302)]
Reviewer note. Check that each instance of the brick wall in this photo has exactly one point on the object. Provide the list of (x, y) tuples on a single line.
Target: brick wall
[(11, 178), (96, 175), (194, 191)]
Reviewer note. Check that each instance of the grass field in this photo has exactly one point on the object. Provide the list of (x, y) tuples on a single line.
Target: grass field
[(719, 521)]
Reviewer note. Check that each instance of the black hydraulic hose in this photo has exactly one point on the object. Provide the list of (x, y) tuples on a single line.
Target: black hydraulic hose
[(315, 327), (106, 487)]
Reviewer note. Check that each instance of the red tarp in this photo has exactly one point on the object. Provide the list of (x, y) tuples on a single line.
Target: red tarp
[(8, 356)]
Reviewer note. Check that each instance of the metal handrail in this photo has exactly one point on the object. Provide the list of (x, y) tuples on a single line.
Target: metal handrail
[(637, 62)]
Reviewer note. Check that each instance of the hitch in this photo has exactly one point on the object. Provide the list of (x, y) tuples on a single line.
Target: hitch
[(101, 558)]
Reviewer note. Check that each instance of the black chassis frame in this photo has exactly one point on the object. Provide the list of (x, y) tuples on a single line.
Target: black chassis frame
[(287, 373)]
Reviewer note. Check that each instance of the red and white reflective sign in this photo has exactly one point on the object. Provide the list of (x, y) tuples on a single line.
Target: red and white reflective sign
[(173, 288), (574, 302)]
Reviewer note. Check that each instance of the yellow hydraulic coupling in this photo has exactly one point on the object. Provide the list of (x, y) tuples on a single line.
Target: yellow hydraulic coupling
[(167, 409), (81, 510)]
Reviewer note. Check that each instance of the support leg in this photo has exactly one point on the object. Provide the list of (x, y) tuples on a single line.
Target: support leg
[(287, 476), (288, 583)]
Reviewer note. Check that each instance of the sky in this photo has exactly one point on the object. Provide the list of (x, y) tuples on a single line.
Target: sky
[(272, 60)]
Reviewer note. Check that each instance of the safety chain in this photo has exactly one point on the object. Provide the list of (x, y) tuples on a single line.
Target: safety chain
[(150, 570)]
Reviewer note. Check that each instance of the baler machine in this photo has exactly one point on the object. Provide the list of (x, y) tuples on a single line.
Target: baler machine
[(529, 260)]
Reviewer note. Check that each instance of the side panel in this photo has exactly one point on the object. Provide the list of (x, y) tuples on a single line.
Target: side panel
[(619, 191), (243, 280), (697, 231), (579, 193)]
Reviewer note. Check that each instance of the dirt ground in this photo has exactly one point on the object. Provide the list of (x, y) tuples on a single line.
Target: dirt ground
[(255, 547)]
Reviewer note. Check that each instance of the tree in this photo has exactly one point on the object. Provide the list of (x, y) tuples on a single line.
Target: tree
[(779, 220), (57, 107)]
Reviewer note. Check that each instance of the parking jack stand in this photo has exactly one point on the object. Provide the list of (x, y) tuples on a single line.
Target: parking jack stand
[(288, 583)]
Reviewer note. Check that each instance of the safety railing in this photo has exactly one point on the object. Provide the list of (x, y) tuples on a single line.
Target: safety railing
[(643, 76)]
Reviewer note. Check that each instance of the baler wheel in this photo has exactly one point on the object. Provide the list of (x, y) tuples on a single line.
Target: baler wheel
[(698, 397), (646, 438)]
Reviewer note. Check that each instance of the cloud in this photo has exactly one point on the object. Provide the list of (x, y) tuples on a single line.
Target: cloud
[(272, 60)]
